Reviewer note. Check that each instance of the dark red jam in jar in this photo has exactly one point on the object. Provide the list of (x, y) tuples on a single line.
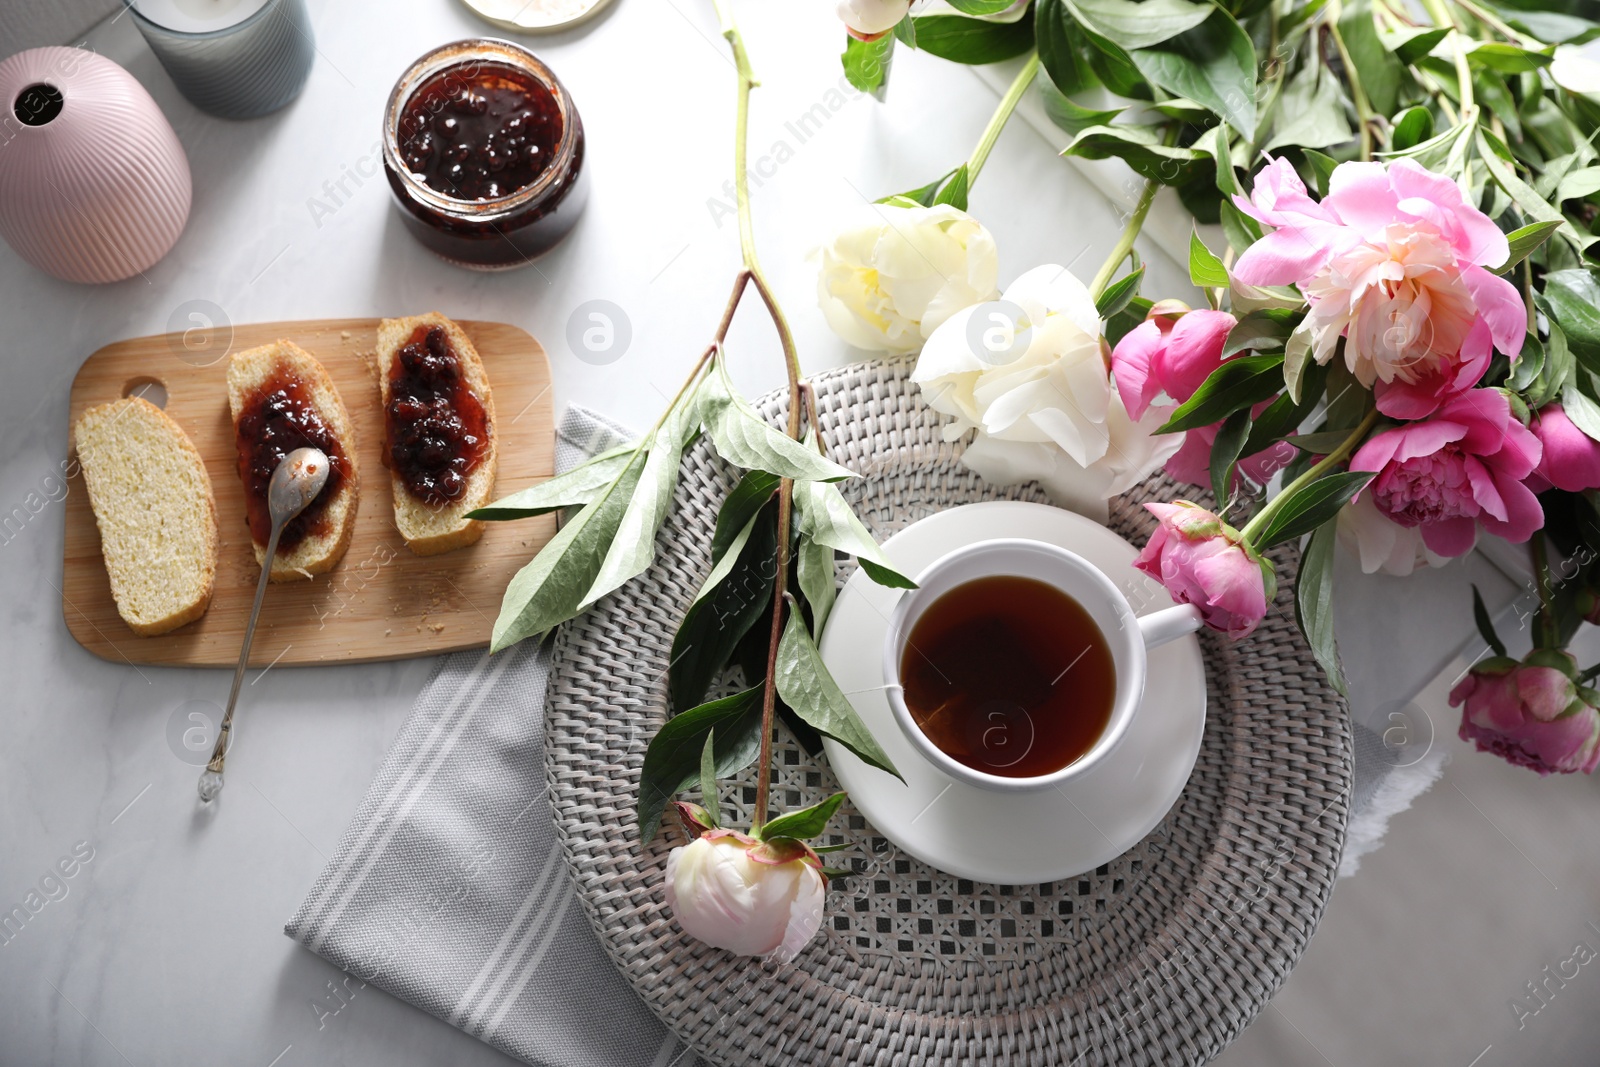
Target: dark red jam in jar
[(484, 151), (437, 429), (277, 419)]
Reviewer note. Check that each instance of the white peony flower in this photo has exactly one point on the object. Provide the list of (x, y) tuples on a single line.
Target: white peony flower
[(1380, 543), (894, 274), (1029, 373), (1575, 70), (723, 897), (872, 18)]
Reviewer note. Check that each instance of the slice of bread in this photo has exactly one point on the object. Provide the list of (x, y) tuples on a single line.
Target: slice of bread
[(428, 528), (158, 519), (322, 548)]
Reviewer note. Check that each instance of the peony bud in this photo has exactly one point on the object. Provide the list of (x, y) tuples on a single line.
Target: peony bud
[(1531, 713), (1202, 561), (870, 19), (734, 892)]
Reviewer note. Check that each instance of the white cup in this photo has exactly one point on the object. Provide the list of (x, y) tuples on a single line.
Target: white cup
[(1129, 637)]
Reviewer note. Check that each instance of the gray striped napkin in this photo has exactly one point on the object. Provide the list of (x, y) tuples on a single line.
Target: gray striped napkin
[(448, 889)]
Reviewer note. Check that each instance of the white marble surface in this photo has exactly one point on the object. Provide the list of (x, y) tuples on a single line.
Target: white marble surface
[(164, 946)]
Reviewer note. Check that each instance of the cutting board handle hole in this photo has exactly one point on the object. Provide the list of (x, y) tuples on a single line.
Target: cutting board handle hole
[(147, 388)]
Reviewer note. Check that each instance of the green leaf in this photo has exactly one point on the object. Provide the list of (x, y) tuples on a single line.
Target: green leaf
[(1559, 368), (1578, 184), (1119, 323), (708, 777), (1205, 268), (979, 8), (1313, 604), (1118, 293), (1411, 127), (1140, 147), (746, 440), (1225, 452), (1381, 73), (1524, 240), (551, 588), (822, 515), (1310, 506), (1525, 371), (1322, 166), (1062, 55), (1213, 64), (1310, 110), (1215, 143), (808, 688), (1573, 297), (805, 823), (1496, 99), (672, 762), (1238, 383), (1242, 230), (954, 192), (1498, 55), (1581, 409), (866, 63), (1248, 298), (905, 31), (1068, 115), (814, 570), (1320, 444), (1411, 43), (924, 195), (582, 484), (1114, 67), (1139, 25), (1284, 415), (1441, 152), (1480, 615), (746, 498), (634, 544), (1497, 158), (974, 41), (733, 598), (1267, 329), (1551, 27)]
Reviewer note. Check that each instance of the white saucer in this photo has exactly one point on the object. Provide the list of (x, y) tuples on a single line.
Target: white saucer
[(1015, 839)]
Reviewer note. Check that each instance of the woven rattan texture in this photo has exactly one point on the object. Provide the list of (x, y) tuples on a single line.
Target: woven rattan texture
[(1159, 958)]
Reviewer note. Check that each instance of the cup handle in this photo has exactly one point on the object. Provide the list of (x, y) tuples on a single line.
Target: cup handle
[(1169, 624)]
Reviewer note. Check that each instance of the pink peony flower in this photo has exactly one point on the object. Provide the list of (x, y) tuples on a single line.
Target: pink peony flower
[(1529, 714), (1571, 458), (1166, 354), (1462, 468), (1201, 561), (725, 890), (1392, 260), (1173, 355)]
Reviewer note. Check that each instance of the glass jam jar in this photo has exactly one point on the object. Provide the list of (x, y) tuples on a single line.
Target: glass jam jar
[(484, 150)]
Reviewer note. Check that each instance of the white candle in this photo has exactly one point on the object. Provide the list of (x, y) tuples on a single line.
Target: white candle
[(197, 16)]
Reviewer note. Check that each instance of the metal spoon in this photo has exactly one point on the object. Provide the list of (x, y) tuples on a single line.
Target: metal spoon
[(295, 484)]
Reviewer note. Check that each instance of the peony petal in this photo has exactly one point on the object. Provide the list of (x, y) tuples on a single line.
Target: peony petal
[(1130, 366), (1451, 537), (1285, 256), (1193, 350), (1191, 463), (1484, 492), (1570, 458), (1068, 484), (1054, 290), (1499, 306), (1361, 196), (1524, 515), (1472, 234)]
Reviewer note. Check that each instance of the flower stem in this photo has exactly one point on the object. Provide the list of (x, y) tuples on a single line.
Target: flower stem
[(1547, 637), (1358, 92), (1332, 459), (1124, 243), (791, 361), (1002, 113), (1441, 17)]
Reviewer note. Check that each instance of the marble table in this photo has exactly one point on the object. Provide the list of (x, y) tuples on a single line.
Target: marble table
[(153, 934)]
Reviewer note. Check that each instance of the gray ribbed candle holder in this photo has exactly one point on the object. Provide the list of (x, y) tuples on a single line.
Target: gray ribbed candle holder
[(241, 71)]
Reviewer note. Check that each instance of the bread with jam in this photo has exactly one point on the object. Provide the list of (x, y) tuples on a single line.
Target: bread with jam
[(282, 399), (439, 431)]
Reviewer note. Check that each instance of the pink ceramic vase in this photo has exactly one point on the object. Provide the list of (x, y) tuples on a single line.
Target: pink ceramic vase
[(94, 186)]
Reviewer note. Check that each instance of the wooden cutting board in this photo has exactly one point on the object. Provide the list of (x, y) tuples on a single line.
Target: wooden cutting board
[(381, 601)]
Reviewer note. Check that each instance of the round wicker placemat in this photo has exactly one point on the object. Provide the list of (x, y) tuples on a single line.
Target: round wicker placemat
[(1160, 957)]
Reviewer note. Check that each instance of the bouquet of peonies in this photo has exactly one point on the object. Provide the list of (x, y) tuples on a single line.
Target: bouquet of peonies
[(1400, 347)]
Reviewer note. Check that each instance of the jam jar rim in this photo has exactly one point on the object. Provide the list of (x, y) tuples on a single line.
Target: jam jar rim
[(457, 53)]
